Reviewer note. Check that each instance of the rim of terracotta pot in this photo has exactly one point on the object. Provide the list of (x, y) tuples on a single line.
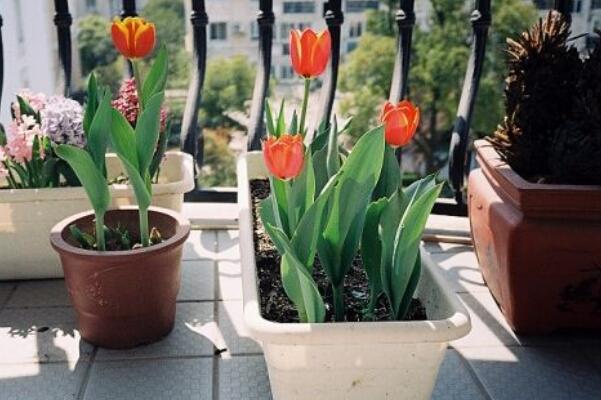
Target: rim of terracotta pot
[(536, 198), (182, 232)]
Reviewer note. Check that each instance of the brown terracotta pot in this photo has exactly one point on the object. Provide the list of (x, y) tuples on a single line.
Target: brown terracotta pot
[(538, 245), (123, 298)]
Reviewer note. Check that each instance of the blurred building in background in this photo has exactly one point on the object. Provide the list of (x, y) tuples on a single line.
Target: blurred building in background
[(30, 45), (586, 18), (233, 28)]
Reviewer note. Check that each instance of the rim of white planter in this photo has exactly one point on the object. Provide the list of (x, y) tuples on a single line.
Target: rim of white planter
[(456, 325), (184, 184)]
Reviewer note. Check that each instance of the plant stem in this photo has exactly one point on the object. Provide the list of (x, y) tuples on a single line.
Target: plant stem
[(138, 78), (338, 296), (100, 244), (144, 236), (371, 306), (292, 216), (304, 107)]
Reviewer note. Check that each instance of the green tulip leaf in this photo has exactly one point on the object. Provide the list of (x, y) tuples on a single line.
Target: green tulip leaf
[(91, 103), (157, 77), (123, 139), (99, 131), (88, 174), (371, 250), (147, 131), (390, 178), (355, 182)]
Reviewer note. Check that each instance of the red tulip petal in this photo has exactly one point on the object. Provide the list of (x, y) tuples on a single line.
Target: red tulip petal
[(396, 128), (388, 106)]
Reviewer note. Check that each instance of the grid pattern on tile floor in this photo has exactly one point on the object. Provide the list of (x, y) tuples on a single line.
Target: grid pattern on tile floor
[(209, 355)]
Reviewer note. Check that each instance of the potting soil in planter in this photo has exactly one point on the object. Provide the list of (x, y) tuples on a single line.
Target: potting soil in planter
[(275, 305)]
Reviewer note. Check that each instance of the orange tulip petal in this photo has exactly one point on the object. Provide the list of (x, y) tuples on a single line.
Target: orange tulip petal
[(284, 156), (120, 35), (144, 40), (320, 53), (307, 40), (295, 50)]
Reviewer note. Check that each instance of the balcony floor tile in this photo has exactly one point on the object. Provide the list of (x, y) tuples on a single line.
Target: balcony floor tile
[(210, 355)]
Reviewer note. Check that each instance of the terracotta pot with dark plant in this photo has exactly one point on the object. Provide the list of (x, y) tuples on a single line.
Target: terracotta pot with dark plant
[(122, 266), (535, 202)]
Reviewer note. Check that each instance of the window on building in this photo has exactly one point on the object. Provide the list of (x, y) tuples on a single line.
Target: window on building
[(218, 30), (286, 72), (286, 27), (254, 30), (355, 29), (350, 46), (544, 4), (596, 4), (285, 49), (360, 6), (115, 6), (91, 5), (577, 6), (299, 7)]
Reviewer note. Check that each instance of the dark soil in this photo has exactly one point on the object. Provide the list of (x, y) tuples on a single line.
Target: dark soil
[(275, 305)]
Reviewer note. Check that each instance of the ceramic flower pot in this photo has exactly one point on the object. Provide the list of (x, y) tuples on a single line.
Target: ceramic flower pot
[(27, 215), (538, 246), (123, 298), (350, 360)]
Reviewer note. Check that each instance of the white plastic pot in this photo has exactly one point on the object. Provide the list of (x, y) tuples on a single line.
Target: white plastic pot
[(28, 215), (356, 360)]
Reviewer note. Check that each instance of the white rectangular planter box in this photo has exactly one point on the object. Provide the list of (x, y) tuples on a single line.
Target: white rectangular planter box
[(352, 360), (28, 215)]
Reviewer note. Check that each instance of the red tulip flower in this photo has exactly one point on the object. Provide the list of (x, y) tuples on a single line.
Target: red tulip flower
[(133, 37), (284, 156), (309, 51), (400, 122)]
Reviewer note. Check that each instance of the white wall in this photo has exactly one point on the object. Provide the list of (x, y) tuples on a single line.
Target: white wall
[(29, 49)]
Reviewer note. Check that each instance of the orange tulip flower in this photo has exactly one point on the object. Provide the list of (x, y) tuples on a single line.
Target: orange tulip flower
[(284, 156), (400, 122), (309, 51), (133, 37)]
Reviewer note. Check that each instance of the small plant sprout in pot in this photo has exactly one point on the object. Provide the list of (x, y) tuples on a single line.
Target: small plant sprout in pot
[(130, 255), (335, 286)]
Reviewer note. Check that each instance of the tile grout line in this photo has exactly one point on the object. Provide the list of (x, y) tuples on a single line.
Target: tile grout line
[(9, 297), (472, 372), (216, 356), (86, 377)]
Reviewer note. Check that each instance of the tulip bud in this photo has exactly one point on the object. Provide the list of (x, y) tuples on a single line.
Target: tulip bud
[(284, 156), (309, 51), (133, 37), (400, 122)]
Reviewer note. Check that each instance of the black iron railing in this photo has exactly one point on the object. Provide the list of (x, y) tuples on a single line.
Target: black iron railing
[(191, 134)]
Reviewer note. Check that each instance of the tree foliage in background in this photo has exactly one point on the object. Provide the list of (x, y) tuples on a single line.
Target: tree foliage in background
[(228, 86), (95, 44), (97, 52), (439, 59), (169, 17), (219, 167)]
